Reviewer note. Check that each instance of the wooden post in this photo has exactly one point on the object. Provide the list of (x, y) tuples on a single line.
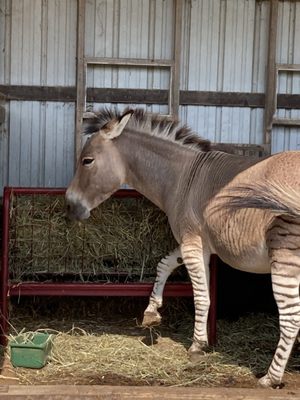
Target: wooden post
[(80, 76), (175, 84), (271, 76)]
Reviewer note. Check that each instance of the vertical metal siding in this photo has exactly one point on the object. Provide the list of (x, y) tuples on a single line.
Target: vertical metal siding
[(42, 42), (41, 143), (286, 138), (288, 52), (224, 45), (225, 49), (129, 29), (225, 124), (39, 42)]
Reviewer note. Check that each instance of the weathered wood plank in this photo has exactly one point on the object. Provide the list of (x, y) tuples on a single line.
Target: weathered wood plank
[(228, 99), (80, 77), (270, 99), (286, 122), (142, 393), (146, 96), (175, 84)]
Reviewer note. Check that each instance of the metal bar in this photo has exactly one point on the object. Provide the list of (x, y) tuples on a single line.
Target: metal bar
[(130, 62), (4, 268), (80, 77), (30, 190), (62, 191), (270, 99), (96, 289)]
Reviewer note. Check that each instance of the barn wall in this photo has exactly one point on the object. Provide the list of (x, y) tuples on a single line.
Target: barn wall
[(37, 139), (288, 52), (224, 48)]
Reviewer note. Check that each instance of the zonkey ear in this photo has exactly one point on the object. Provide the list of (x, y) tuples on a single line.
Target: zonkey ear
[(115, 127)]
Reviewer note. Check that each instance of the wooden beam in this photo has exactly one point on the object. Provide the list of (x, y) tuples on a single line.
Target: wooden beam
[(80, 77), (129, 96), (2, 114), (130, 62), (286, 122), (175, 74), (145, 96), (38, 93), (80, 392), (270, 99), (228, 99)]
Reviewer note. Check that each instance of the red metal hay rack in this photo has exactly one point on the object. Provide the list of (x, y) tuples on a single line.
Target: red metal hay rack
[(141, 289)]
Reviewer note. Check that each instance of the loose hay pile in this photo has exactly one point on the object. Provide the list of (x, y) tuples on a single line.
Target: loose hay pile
[(120, 353), (122, 240)]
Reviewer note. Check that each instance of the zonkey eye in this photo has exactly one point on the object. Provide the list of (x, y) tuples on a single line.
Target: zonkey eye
[(87, 161)]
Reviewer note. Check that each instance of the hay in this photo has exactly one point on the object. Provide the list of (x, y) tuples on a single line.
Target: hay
[(123, 240), (115, 350), (82, 358)]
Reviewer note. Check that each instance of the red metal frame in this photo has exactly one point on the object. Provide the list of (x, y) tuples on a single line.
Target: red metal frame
[(84, 289)]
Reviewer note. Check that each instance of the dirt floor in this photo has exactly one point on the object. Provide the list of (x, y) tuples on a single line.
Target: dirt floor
[(100, 342)]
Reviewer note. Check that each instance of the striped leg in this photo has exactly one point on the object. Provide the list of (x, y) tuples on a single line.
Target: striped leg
[(196, 260), (285, 269), (164, 268)]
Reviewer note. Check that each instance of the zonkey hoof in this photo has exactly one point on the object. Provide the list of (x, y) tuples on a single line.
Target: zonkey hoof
[(265, 382), (197, 351), (151, 319)]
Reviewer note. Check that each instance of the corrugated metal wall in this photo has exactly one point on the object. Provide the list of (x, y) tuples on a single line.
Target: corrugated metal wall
[(129, 29), (224, 49), (288, 52), (38, 38)]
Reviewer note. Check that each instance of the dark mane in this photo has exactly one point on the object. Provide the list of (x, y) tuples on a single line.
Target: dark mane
[(152, 124)]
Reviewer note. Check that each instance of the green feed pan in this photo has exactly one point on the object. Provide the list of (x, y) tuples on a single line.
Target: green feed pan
[(30, 350)]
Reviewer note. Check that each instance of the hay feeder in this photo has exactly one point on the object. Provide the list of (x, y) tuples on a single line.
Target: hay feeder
[(114, 253)]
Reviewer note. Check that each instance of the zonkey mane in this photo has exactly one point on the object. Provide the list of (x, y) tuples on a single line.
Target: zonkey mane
[(152, 124)]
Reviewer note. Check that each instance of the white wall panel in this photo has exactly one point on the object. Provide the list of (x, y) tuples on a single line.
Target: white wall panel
[(286, 138), (129, 29), (288, 52), (41, 144), (288, 49), (224, 48), (39, 42), (224, 45), (225, 124)]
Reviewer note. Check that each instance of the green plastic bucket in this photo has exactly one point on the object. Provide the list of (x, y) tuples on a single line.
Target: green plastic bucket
[(30, 350)]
